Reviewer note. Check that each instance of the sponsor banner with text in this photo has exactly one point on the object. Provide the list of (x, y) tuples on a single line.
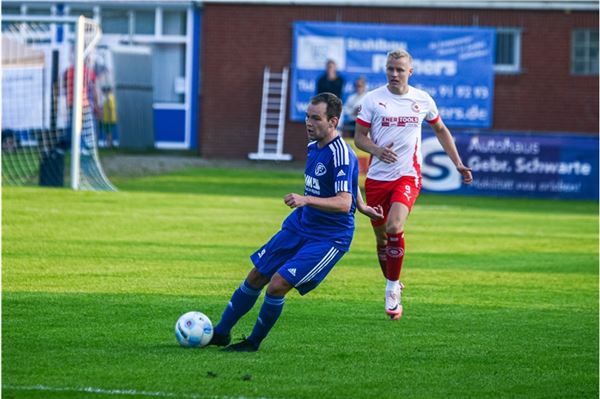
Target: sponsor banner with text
[(515, 165), (453, 64)]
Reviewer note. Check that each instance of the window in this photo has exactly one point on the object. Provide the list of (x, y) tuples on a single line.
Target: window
[(174, 23), (508, 50), (38, 10), (144, 22), (11, 10), (115, 20), (168, 68), (584, 52)]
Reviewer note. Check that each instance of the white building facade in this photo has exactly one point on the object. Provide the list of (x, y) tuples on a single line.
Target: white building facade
[(170, 29)]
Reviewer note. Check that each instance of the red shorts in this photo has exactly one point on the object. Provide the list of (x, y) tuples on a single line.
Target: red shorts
[(404, 190)]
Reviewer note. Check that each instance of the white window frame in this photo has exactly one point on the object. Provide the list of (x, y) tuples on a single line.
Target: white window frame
[(515, 67), (586, 58)]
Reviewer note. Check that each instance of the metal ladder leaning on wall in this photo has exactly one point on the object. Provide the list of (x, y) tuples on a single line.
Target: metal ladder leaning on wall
[(272, 117)]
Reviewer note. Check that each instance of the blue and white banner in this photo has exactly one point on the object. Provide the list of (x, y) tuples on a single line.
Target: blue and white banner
[(513, 165), (453, 64)]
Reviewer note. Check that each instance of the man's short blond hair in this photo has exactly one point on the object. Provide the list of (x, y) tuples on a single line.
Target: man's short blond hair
[(397, 54)]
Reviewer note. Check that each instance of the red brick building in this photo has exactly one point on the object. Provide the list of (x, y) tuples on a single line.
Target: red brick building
[(545, 89)]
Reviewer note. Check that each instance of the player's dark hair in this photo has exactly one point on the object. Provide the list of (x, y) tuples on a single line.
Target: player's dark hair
[(334, 104)]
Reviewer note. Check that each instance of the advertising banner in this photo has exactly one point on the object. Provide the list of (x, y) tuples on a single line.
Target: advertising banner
[(453, 64), (514, 165), (23, 98)]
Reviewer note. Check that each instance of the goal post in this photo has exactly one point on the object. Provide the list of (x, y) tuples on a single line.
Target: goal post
[(77, 94), (50, 102)]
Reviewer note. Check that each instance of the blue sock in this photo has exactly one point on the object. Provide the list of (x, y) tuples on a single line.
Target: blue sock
[(242, 300), (269, 313)]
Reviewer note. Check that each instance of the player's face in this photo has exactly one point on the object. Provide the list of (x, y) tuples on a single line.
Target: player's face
[(397, 72), (317, 125)]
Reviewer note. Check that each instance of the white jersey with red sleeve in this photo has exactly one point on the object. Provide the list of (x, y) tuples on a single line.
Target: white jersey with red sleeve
[(397, 119)]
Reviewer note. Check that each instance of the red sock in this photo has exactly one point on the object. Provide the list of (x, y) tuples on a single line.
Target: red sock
[(395, 256), (382, 258)]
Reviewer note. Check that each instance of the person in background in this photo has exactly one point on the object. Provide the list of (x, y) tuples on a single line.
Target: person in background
[(109, 116), (352, 106), (331, 81), (89, 100)]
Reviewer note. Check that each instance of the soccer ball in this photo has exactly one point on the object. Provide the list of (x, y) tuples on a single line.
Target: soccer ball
[(193, 330)]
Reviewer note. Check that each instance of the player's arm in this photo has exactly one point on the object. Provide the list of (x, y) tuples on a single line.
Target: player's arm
[(445, 138), (364, 142), (375, 213), (342, 202)]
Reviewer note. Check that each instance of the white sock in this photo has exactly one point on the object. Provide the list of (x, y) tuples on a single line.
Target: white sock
[(392, 285)]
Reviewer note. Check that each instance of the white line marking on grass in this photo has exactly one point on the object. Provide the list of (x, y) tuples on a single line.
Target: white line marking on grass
[(130, 392)]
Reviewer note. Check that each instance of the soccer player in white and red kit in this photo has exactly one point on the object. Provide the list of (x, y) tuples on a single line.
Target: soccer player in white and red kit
[(388, 126)]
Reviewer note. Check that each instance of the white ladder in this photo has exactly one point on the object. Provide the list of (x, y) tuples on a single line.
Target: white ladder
[(272, 117)]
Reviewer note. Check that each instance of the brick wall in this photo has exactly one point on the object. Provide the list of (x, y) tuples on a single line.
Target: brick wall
[(240, 40)]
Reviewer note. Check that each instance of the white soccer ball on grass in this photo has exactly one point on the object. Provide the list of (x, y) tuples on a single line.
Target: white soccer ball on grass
[(193, 330)]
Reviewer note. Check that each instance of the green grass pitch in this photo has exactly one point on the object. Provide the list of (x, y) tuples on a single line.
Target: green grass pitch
[(501, 297)]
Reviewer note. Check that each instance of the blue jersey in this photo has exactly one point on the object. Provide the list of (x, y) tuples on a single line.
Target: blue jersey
[(329, 170)]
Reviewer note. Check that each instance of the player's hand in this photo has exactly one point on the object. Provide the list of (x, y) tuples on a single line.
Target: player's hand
[(373, 212), (387, 154), (466, 173), (294, 200)]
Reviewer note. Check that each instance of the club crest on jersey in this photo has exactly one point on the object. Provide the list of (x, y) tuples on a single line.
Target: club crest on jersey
[(320, 170), (415, 107)]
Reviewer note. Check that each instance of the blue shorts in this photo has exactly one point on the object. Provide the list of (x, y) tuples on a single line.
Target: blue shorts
[(302, 262)]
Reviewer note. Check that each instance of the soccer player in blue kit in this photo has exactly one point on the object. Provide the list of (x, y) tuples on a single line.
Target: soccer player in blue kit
[(312, 239)]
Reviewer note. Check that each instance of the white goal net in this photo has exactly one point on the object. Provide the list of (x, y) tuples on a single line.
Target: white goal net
[(50, 103)]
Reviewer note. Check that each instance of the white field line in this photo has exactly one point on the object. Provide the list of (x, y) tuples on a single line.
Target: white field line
[(122, 392)]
